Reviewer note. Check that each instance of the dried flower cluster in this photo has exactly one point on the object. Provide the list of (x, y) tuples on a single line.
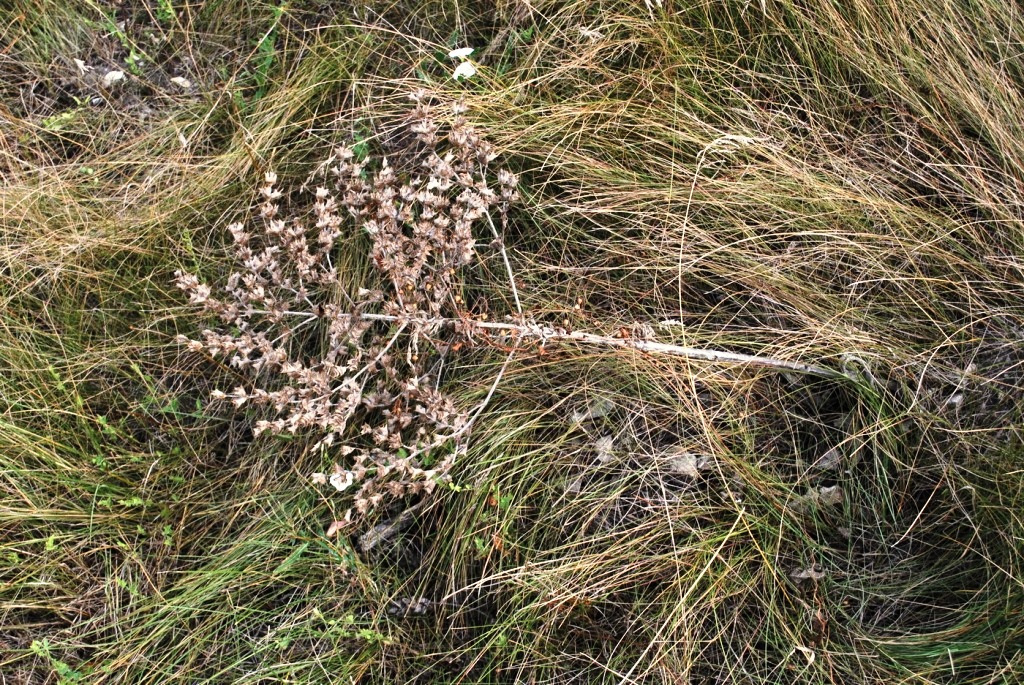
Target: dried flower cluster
[(364, 385)]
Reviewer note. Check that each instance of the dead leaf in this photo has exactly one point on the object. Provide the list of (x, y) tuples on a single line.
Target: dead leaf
[(598, 407), (828, 461), (112, 77), (605, 447), (687, 463), (824, 496), (830, 496), (814, 573)]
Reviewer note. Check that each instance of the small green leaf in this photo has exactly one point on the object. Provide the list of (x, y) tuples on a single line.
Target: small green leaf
[(41, 648)]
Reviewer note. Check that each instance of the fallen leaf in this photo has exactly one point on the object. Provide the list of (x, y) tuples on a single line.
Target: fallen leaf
[(686, 463), (181, 82), (112, 77), (831, 496), (830, 460), (823, 496), (810, 573), (605, 447), (598, 407)]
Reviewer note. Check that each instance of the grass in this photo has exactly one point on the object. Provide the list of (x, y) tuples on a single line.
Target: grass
[(837, 184)]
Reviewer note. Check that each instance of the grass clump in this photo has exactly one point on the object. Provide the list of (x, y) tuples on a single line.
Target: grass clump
[(832, 185)]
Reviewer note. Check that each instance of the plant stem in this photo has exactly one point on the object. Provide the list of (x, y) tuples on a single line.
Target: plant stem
[(544, 334)]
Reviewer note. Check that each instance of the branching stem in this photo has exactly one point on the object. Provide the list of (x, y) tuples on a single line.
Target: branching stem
[(544, 334)]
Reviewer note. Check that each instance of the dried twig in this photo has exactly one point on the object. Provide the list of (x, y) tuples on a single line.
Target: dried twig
[(545, 334)]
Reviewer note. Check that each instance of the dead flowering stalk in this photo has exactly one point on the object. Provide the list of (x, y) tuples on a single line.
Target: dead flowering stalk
[(353, 367)]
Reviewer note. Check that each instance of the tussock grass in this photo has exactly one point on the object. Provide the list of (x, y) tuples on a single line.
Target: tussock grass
[(837, 184)]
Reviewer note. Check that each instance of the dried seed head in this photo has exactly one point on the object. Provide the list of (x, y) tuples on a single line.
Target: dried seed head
[(421, 210)]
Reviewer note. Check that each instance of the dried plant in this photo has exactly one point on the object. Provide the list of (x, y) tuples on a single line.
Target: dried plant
[(367, 390), (420, 214)]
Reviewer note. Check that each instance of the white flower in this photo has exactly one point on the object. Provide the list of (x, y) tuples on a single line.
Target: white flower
[(239, 396), (464, 70), (460, 53), (341, 480)]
